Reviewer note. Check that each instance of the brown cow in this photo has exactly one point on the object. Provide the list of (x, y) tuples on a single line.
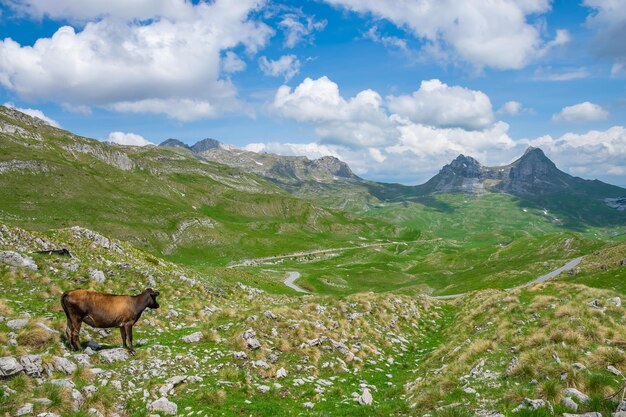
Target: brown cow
[(102, 310)]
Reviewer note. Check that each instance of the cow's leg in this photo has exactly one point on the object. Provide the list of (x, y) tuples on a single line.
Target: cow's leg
[(129, 333), (123, 333), (76, 324), (68, 333)]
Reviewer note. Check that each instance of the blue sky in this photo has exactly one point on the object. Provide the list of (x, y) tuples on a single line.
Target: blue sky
[(396, 89)]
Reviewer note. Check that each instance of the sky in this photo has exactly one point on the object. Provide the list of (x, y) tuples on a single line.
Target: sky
[(395, 88)]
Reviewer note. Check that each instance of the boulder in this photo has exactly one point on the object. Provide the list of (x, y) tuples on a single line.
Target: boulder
[(240, 355), (574, 393), (569, 403), (281, 373), (17, 323), (96, 275), (164, 406), (64, 365), (32, 364), (15, 259), (25, 409), (112, 355), (253, 343), (615, 300), (9, 366), (366, 397), (192, 338)]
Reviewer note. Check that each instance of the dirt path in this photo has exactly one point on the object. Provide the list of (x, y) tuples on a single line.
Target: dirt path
[(293, 275), (258, 261)]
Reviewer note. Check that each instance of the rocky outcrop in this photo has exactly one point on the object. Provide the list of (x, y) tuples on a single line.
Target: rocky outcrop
[(117, 159)]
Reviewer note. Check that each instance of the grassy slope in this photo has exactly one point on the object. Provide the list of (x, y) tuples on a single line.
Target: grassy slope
[(149, 203)]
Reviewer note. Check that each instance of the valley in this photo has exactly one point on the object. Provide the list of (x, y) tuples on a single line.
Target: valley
[(294, 287)]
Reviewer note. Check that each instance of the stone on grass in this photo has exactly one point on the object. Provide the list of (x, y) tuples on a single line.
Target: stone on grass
[(615, 300), (569, 403), (366, 397), (240, 355), (574, 393), (17, 323), (96, 275), (9, 366), (281, 373), (112, 355), (192, 338), (164, 406), (614, 370), (64, 365), (25, 409), (13, 258), (263, 388), (32, 365), (308, 404), (592, 414)]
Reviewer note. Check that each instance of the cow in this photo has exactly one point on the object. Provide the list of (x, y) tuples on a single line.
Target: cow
[(101, 310)]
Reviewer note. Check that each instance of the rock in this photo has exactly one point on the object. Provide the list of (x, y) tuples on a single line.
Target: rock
[(574, 393), (89, 390), (253, 343), (615, 300), (593, 414), (532, 405), (595, 303), (260, 364), (192, 338), (579, 366), (96, 275), (281, 373), (65, 383), (9, 366), (268, 314), (614, 370), (17, 323), (64, 365), (15, 259), (366, 397), (95, 413), (619, 414), (77, 400), (47, 414), (240, 355), (112, 355), (83, 359), (164, 406), (569, 403), (25, 409), (308, 405), (263, 388), (32, 365)]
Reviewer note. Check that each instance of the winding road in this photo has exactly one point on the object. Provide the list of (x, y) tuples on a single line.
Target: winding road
[(293, 275)]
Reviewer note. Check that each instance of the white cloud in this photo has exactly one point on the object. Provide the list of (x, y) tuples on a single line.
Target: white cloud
[(582, 112), (130, 139), (595, 154), (438, 104), (35, 113), (497, 34), (231, 63), (298, 28), (133, 64), (358, 121), (392, 42), (567, 74), (608, 18), (286, 66), (514, 108)]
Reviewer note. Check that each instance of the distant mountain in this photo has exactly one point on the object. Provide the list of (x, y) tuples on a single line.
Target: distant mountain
[(532, 175)]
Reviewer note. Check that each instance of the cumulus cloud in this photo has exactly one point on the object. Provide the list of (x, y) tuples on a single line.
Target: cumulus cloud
[(582, 112), (286, 66), (130, 139), (497, 34), (174, 58), (231, 63), (595, 154), (299, 28), (357, 121), (438, 104), (35, 113), (608, 18)]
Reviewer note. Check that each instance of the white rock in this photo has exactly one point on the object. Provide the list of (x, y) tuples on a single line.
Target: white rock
[(96, 275), (112, 355), (48, 414), (15, 259), (9, 366), (25, 409), (17, 323), (164, 406), (64, 365), (366, 397), (240, 355), (592, 414), (613, 370), (192, 338), (615, 300), (260, 364), (263, 388), (281, 373), (569, 403), (308, 404), (77, 400), (66, 383), (32, 365), (253, 343), (574, 393)]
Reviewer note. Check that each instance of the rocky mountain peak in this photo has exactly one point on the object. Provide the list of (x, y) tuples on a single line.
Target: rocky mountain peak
[(173, 143), (334, 166), (205, 145), (463, 166), (534, 163)]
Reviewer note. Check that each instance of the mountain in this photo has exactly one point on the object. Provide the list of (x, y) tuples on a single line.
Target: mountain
[(165, 200), (532, 175)]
